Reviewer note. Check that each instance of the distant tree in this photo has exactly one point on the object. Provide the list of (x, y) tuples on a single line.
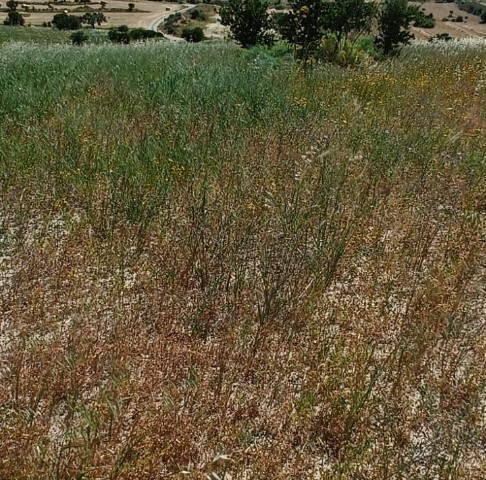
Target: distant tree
[(394, 26), (12, 5), (103, 4), (79, 38), (193, 35), (138, 34), (63, 21), (440, 37), (131, 7), (248, 21), (483, 17), (93, 18), (14, 18)]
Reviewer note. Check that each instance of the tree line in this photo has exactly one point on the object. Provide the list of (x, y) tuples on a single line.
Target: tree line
[(318, 29)]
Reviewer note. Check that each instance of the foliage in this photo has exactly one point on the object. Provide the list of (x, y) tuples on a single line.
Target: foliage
[(440, 37), (199, 14), (79, 38), (394, 26), (138, 34), (308, 22), (304, 26), (248, 22), (420, 19), (93, 18), (193, 35), (342, 17), (14, 18), (63, 21), (483, 17), (12, 5), (123, 34), (119, 35)]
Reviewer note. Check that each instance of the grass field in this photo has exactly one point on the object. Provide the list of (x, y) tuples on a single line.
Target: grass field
[(216, 265)]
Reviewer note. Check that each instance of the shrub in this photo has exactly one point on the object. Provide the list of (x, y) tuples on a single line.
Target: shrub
[(193, 35), (483, 17), (131, 7), (440, 37), (197, 14), (119, 35), (420, 19), (79, 37), (14, 18), (138, 34), (63, 21)]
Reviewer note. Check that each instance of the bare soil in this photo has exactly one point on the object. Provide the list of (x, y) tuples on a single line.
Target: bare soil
[(469, 28), (145, 15)]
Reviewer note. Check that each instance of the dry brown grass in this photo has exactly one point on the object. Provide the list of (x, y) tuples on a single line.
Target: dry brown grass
[(311, 305)]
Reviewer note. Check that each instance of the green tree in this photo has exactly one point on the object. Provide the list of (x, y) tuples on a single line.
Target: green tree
[(63, 21), (342, 17), (14, 18), (309, 21), (394, 26), (93, 18), (12, 5), (303, 27), (248, 21)]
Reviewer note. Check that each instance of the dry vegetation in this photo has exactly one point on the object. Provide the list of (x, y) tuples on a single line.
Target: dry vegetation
[(146, 13), (235, 269), (471, 27)]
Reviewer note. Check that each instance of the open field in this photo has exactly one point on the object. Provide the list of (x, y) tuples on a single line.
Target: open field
[(145, 15), (471, 27), (237, 269)]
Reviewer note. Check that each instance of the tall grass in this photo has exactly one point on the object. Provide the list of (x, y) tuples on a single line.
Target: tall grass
[(215, 263)]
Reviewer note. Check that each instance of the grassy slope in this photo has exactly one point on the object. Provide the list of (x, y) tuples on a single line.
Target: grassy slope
[(205, 252)]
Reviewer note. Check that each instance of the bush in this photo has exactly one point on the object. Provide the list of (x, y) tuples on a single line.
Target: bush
[(79, 38), (14, 18), (119, 35), (138, 34), (440, 37), (483, 17), (193, 35), (198, 14), (63, 21)]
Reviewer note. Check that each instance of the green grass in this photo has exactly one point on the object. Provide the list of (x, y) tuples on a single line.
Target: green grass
[(45, 36), (215, 262)]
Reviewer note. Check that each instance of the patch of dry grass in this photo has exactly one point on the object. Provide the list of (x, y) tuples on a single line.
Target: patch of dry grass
[(233, 269)]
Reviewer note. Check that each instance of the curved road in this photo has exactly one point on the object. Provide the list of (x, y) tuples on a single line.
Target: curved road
[(154, 25)]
